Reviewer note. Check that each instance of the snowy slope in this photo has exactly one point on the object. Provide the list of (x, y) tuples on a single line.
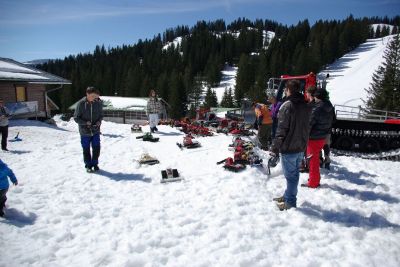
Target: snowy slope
[(61, 216), (352, 74), (228, 80)]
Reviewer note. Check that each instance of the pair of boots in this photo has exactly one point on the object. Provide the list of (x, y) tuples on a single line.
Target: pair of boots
[(153, 129)]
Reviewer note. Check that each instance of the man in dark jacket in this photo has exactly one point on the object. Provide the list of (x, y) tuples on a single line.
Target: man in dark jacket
[(320, 126), (88, 115), (291, 140)]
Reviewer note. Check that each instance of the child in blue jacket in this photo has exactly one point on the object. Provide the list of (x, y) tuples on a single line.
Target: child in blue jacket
[(5, 172)]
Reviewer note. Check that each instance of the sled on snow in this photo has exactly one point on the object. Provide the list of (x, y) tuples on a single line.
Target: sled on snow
[(148, 137), (146, 159), (16, 138), (170, 175), (135, 128), (231, 165), (188, 142)]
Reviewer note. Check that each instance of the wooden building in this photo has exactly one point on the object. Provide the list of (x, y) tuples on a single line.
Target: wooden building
[(24, 89)]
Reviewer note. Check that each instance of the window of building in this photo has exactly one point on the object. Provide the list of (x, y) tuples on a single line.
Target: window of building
[(20, 92)]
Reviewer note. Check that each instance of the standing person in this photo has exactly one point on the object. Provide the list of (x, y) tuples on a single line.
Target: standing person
[(264, 124), (88, 115), (5, 173), (4, 114), (274, 113), (304, 167), (291, 141), (153, 110), (320, 126)]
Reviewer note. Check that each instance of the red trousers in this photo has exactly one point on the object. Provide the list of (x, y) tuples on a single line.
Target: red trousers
[(313, 149)]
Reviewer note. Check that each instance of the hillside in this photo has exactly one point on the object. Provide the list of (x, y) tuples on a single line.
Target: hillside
[(352, 74)]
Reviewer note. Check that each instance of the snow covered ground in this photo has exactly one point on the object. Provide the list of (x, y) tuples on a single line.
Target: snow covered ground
[(123, 216)]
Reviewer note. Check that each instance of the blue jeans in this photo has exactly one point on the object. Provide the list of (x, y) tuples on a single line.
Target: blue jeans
[(290, 165), (91, 159)]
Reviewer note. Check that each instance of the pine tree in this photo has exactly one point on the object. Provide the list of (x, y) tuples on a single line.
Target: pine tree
[(385, 87), (196, 91), (210, 99), (178, 98)]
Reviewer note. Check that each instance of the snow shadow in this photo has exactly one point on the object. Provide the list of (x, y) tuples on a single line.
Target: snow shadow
[(33, 123), (118, 176), (346, 217), (343, 174), (170, 133), (18, 218), (19, 152), (364, 195), (113, 135)]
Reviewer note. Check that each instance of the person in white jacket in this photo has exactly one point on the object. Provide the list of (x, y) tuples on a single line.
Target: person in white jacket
[(4, 115), (153, 110)]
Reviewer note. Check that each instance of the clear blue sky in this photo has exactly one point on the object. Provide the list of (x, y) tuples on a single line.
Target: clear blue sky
[(35, 29)]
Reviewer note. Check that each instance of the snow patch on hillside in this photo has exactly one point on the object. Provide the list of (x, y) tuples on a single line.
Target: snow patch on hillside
[(352, 74)]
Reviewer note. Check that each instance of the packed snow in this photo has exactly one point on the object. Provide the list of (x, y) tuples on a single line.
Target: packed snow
[(228, 80), (14, 67), (176, 42), (352, 74), (59, 215), (14, 75)]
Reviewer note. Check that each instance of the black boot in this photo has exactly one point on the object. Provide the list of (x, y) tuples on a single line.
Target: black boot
[(95, 158), (87, 158)]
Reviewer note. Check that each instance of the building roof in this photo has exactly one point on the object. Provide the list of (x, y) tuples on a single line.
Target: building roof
[(13, 71), (122, 103)]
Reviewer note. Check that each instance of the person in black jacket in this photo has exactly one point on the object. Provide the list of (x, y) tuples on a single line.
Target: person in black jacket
[(89, 114), (320, 126), (291, 140)]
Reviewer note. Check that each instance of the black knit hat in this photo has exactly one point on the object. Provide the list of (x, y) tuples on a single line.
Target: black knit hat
[(321, 94)]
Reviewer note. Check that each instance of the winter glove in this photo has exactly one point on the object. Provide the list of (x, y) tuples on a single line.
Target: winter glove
[(98, 123)]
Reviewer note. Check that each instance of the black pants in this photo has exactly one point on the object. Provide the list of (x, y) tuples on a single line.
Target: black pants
[(3, 198), (4, 136)]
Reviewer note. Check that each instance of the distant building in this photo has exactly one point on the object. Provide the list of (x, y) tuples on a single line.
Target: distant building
[(24, 89), (126, 109)]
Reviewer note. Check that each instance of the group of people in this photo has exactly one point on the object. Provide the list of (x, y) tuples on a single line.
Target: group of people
[(294, 127), (301, 126)]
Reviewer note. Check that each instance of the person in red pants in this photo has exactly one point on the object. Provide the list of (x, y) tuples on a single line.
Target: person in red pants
[(320, 126)]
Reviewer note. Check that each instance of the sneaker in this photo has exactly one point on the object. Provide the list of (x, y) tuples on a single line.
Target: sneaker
[(284, 206), (89, 169), (96, 168), (279, 199)]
